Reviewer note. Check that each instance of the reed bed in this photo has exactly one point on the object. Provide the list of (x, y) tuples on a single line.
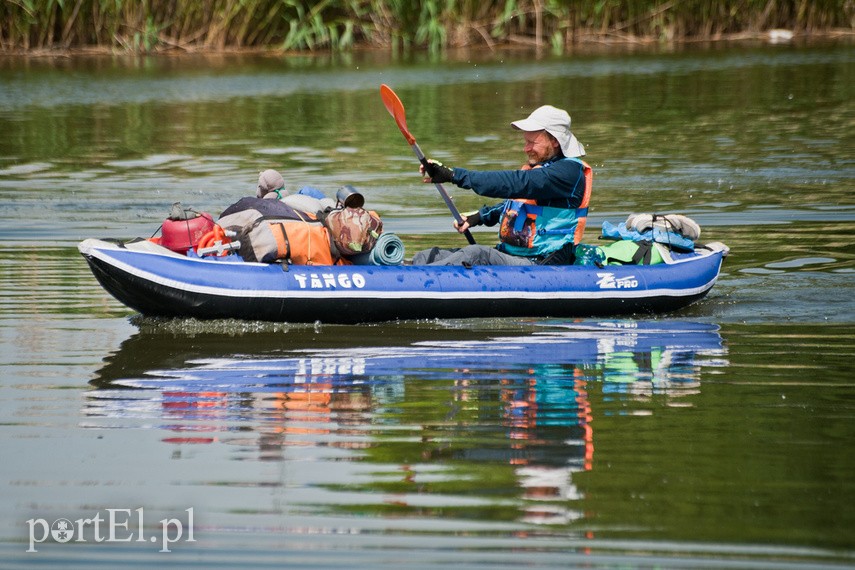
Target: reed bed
[(339, 25)]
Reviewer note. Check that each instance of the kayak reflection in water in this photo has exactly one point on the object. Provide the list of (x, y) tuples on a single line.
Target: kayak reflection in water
[(523, 404)]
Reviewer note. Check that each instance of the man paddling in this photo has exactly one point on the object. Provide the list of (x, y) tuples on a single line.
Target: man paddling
[(546, 200)]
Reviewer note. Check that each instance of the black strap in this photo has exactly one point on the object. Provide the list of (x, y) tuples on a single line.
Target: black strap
[(281, 226), (643, 254)]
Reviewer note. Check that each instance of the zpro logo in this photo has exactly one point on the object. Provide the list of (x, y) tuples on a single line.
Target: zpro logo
[(608, 281)]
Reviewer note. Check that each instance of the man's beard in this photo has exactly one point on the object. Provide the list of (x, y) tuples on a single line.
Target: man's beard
[(535, 159)]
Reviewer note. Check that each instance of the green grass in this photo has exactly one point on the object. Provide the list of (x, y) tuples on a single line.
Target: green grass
[(338, 25)]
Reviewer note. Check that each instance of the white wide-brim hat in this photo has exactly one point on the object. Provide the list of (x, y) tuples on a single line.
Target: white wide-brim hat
[(556, 122)]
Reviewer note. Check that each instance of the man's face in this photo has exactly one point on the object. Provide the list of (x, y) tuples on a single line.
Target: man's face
[(539, 146)]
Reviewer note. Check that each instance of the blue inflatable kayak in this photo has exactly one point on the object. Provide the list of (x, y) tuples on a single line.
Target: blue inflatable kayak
[(159, 282)]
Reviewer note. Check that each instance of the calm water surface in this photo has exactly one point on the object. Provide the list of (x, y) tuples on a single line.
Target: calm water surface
[(722, 436)]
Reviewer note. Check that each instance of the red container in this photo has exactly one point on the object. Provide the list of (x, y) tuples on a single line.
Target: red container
[(181, 235)]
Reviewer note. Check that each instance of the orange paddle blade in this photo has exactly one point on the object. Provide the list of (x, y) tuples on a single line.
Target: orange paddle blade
[(396, 109)]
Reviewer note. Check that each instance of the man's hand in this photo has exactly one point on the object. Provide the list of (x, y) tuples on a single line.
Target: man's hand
[(470, 220), (462, 227), (436, 172)]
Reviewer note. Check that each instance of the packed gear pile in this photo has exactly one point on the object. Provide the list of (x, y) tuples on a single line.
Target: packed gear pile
[(643, 239), (303, 229)]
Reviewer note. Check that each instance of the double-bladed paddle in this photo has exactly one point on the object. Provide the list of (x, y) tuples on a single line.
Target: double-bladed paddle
[(396, 109)]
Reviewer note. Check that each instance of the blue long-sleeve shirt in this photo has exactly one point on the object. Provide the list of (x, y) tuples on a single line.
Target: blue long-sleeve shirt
[(559, 183)]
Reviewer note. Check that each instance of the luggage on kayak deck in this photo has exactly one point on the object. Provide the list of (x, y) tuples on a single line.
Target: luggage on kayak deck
[(184, 228)]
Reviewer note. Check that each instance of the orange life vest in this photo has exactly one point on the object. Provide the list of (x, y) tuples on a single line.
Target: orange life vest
[(531, 230)]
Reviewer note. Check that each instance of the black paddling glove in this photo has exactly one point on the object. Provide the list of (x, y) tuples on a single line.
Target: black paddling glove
[(438, 172)]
